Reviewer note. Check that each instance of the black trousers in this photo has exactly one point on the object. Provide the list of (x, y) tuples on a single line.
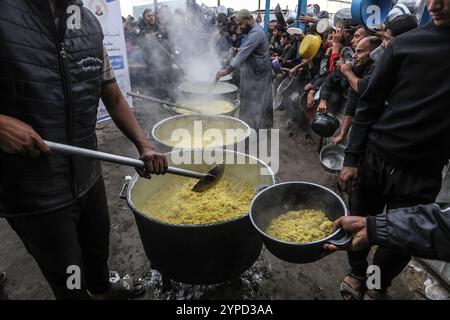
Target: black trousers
[(78, 235), (380, 185)]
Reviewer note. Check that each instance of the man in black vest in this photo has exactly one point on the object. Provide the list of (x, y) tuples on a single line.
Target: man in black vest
[(52, 76)]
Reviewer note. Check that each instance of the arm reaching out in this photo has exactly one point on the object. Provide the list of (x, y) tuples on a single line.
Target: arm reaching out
[(125, 120)]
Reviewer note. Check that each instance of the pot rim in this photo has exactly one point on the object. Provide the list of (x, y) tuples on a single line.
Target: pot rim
[(236, 105), (326, 115), (232, 87), (285, 84), (277, 101), (162, 122), (296, 244), (190, 226)]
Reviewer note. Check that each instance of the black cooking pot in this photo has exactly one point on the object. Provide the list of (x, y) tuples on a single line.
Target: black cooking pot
[(199, 254), (281, 198), (325, 124)]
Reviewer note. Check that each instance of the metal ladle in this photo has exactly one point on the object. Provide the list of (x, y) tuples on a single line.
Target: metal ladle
[(206, 180), (216, 79), (163, 102)]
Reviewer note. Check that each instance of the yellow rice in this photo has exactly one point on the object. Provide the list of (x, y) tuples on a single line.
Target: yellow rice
[(229, 199), (300, 226)]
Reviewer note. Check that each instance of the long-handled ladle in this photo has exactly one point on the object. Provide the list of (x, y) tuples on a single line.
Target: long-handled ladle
[(206, 180)]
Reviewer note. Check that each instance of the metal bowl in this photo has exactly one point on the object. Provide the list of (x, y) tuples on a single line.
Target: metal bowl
[(198, 124), (277, 101), (325, 124), (332, 157), (281, 198), (199, 254), (285, 84)]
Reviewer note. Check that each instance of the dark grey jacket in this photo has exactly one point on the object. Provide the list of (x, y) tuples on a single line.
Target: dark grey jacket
[(422, 231), (51, 79)]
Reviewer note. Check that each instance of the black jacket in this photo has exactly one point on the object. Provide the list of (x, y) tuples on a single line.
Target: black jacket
[(51, 79), (404, 116), (422, 231), (364, 73)]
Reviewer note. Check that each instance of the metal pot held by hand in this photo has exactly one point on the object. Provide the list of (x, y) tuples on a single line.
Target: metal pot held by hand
[(332, 157), (292, 196), (325, 124), (199, 254)]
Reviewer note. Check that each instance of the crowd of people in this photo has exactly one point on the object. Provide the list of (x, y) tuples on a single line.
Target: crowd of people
[(392, 83), (387, 163), (370, 76)]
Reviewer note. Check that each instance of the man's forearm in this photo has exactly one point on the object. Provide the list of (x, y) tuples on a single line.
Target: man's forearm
[(352, 80), (123, 117), (371, 106), (336, 48), (346, 124)]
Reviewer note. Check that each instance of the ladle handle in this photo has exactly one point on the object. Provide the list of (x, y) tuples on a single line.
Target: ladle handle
[(163, 102), (342, 243), (140, 96), (75, 151)]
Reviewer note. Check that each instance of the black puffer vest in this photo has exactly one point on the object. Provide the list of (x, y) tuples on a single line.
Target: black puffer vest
[(53, 83)]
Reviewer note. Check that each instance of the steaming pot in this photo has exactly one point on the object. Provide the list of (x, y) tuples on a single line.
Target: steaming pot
[(232, 113), (199, 254), (200, 90), (281, 198), (162, 131)]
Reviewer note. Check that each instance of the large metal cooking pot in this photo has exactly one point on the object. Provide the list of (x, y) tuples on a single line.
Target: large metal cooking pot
[(232, 113), (281, 198), (199, 90), (199, 254), (163, 130), (228, 78)]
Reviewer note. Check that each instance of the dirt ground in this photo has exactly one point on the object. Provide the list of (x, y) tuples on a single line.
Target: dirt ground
[(269, 278)]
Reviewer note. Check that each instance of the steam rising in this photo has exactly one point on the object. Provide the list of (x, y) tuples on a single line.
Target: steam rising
[(191, 41)]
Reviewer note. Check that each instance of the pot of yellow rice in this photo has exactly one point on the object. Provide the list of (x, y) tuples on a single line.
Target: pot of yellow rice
[(199, 132), (200, 238), (295, 220)]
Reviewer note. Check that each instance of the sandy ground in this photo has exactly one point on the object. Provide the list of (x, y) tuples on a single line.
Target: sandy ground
[(269, 278)]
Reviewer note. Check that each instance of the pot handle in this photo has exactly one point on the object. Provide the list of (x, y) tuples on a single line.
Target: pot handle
[(261, 188), (123, 191), (343, 241)]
